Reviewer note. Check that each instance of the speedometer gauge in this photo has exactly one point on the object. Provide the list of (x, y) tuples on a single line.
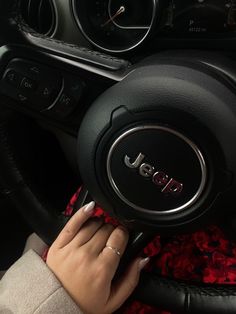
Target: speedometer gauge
[(115, 25)]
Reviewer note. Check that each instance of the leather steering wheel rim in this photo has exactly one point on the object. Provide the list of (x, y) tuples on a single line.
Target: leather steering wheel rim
[(169, 294)]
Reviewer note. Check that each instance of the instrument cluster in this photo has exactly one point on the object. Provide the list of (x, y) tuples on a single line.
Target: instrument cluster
[(123, 25)]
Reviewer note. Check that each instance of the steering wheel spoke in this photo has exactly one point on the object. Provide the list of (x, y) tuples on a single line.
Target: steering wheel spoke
[(52, 88)]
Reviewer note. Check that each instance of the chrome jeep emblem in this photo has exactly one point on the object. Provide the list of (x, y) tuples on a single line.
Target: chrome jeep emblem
[(167, 184)]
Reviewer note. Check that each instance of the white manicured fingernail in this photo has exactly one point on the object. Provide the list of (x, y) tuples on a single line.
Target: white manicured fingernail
[(143, 262), (89, 208)]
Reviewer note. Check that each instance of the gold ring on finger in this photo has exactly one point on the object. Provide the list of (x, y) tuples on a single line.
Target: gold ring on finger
[(114, 249)]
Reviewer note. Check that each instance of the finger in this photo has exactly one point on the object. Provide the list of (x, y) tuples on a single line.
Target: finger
[(122, 289), (99, 240), (74, 225), (86, 232), (114, 249)]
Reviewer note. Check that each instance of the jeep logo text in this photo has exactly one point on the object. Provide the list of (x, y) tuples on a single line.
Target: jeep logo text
[(159, 178)]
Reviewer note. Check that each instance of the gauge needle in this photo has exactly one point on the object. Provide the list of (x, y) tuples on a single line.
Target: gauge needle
[(119, 12)]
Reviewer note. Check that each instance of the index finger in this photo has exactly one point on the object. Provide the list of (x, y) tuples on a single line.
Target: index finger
[(74, 225)]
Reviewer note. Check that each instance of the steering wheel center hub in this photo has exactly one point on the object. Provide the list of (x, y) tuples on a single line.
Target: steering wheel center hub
[(156, 155), (156, 169)]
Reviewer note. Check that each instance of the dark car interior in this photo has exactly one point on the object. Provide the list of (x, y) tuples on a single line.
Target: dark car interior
[(135, 102)]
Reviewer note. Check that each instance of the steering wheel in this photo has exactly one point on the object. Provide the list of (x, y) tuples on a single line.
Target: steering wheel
[(156, 149)]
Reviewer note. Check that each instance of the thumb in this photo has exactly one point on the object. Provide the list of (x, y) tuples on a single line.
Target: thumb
[(124, 287)]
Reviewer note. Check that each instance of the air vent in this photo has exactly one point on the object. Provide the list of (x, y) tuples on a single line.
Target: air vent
[(39, 15)]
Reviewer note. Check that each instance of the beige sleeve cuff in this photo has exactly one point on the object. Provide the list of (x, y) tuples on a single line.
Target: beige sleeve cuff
[(29, 287)]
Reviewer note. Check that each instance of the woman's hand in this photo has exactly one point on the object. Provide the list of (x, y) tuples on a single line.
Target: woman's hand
[(85, 257)]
